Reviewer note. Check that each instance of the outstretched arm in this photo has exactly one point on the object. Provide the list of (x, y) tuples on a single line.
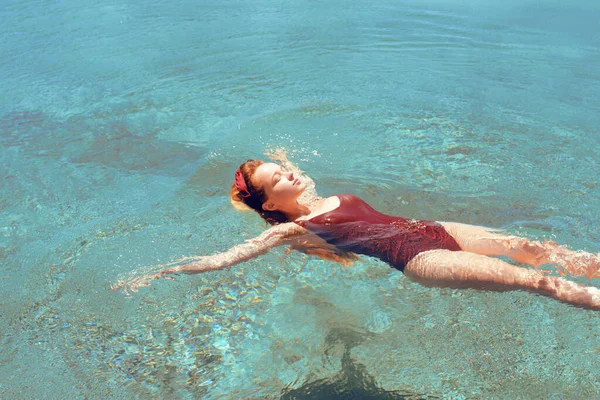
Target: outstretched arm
[(310, 193), (274, 236)]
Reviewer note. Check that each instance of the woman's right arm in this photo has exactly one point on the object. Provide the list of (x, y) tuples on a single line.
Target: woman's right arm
[(272, 237)]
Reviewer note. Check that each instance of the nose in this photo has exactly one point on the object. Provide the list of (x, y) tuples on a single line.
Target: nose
[(291, 176)]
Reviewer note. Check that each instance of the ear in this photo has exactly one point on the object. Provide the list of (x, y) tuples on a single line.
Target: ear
[(268, 206)]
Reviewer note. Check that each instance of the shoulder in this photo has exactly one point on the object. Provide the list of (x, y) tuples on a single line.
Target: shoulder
[(326, 205), (331, 203), (281, 232)]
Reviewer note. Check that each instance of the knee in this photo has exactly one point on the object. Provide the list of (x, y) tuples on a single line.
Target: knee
[(517, 243), (526, 251)]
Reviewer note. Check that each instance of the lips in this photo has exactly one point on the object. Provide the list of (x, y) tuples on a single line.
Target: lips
[(296, 181)]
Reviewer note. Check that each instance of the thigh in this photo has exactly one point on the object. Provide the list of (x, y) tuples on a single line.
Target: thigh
[(482, 240), (461, 269)]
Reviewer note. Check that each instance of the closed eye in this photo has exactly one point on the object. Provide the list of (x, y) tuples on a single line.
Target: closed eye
[(277, 175)]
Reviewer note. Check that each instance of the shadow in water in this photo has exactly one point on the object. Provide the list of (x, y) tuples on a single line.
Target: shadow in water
[(351, 382)]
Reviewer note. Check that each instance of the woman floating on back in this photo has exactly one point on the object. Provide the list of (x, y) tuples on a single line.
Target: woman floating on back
[(435, 254)]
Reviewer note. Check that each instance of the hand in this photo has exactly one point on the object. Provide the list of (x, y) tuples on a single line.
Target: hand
[(278, 154), (144, 280)]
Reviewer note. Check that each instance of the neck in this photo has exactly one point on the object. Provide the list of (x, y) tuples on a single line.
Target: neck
[(295, 211)]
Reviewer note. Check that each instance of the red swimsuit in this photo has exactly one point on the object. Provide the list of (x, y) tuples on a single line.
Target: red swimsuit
[(357, 227)]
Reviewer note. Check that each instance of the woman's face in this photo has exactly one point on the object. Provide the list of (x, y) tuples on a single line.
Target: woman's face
[(280, 186)]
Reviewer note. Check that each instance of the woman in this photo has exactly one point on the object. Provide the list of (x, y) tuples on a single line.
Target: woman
[(441, 254)]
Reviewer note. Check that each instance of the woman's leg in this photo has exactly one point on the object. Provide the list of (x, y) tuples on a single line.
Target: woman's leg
[(461, 270), (490, 242)]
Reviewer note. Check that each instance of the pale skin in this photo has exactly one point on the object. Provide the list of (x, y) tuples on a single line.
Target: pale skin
[(293, 193)]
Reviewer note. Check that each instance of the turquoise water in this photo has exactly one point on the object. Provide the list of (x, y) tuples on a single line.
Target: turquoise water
[(121, 124)]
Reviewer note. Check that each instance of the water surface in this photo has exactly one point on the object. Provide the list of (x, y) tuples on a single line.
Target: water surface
[(121, 124)]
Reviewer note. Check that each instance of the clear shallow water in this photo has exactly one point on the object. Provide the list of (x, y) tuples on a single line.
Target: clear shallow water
[(121, 125)]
